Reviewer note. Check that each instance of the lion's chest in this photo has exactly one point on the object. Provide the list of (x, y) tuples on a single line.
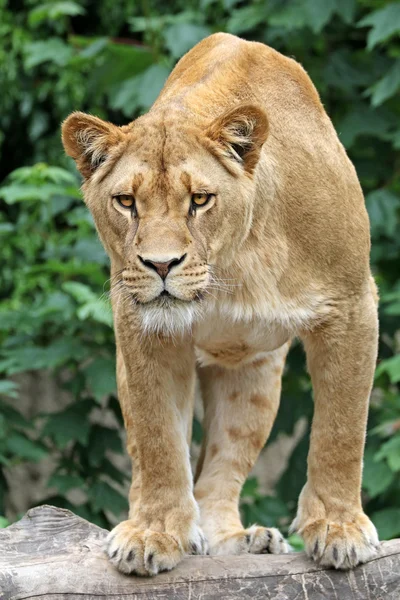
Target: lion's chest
[(233, 334), (231, 344)]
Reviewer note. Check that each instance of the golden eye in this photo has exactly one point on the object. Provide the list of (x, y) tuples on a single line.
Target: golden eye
[(125, 200), (200, 199)]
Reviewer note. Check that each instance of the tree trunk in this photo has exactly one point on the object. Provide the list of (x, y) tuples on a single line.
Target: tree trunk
[(51, 554)]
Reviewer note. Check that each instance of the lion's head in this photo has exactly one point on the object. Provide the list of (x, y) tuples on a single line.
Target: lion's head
[(172, 201)]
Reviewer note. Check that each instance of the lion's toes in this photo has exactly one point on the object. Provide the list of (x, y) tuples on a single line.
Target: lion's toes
[(147, 552), (125, 549), (142, 552), (267, 540), (341, 545), (198, 543), (254, 540)]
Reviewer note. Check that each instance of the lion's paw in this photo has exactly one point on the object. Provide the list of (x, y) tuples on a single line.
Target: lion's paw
[(149, 552), (254, 540), (342, 545)]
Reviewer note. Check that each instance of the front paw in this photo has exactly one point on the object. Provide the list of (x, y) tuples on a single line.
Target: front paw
[(339, 544), (148, 552)]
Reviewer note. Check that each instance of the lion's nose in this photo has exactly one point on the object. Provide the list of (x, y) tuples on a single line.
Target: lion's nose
[(162, 268)]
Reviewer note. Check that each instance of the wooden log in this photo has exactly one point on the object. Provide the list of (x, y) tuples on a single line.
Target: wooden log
[(51, 554)]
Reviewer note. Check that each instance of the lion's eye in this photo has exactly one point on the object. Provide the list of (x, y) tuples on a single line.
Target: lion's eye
[(125, 200), (200, 199)]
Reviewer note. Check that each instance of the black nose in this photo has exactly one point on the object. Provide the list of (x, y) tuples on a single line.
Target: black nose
[(162, 268)]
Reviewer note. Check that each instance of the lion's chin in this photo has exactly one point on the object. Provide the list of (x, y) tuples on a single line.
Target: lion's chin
[(169, 315)]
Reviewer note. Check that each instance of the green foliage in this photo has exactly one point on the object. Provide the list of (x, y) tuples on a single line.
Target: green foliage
[(385, 22), (111, 58), (51, 320)]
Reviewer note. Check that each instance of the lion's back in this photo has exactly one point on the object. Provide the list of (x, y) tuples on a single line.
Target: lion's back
[(320, 199)]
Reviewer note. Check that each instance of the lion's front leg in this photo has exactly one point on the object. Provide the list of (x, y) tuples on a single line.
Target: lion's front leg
[(163, 514), (341, 358)]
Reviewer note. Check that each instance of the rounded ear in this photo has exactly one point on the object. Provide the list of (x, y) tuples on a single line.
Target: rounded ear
[(88, 140), (240, 133)]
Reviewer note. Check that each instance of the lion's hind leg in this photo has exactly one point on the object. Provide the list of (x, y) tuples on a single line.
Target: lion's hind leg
[(240, 408)]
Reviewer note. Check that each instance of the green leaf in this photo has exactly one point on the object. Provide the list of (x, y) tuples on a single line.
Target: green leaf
[(89, 250), (387, 522), (4, 522), (197, 431), (79, 291), (295, 475), (52, 11), (59, 175), (103, 439), (245, 18), (362, 120), (250, 488), (391, 451), (64, 483), (23, 447), (98, 310), (346, 9), (22, 192), (179, 38), (41, 173), (289, 16), (105, 497), (396, 140), (101, 378), (3, 427), (383, 206), (107, 468), (150, 85), (387, 86), (391, 366), (274, 508), (392, 309), (28, 358), (267, 511), (229, 4), (139, 92), (120, 62), (92, 307), (13, 417), (296, 542), (8, 389), (384, 22), (377, 476), (6, 228), (52, 50), (71, 424), (319, 13), (94, 48), (341, 71)]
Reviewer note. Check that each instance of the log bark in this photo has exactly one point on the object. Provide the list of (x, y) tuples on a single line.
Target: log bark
[(51, 554)]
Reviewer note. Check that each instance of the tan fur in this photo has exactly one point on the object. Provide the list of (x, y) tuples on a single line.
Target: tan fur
[(280, 250)]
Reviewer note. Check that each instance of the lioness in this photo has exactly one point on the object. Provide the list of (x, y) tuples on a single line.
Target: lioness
[(234, 221)]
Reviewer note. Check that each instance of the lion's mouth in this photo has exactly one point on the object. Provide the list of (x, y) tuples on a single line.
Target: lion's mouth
[(165, 300)]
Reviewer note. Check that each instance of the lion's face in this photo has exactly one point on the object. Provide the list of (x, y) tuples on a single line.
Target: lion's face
[(171, 203)]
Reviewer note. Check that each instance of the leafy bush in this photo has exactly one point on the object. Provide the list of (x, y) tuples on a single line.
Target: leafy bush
[(111, 58), (50, 319)]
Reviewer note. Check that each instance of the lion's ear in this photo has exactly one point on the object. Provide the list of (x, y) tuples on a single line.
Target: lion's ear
[(88, 140), (240, 133)]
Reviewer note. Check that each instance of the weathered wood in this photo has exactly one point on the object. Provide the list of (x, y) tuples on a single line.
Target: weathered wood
[(51, 554)]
